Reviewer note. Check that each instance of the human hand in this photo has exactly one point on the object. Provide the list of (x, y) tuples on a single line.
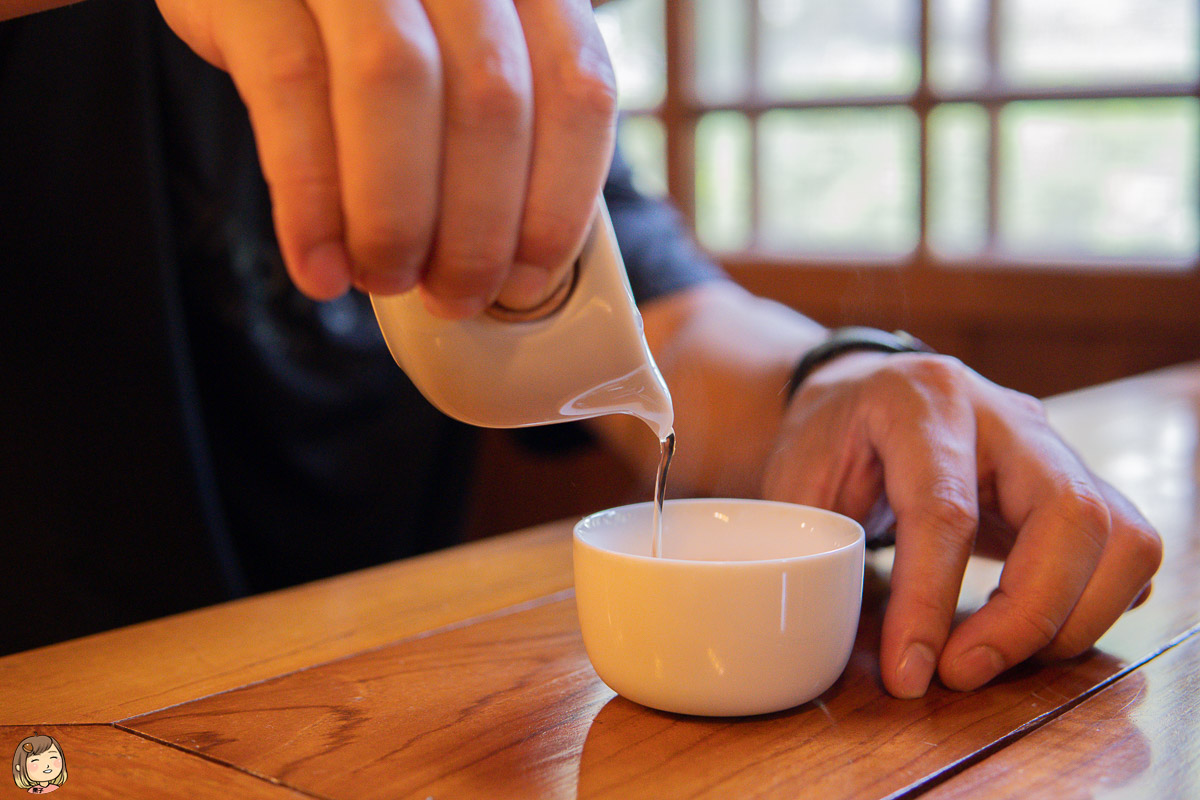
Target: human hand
[(964, 464), (438, 143)]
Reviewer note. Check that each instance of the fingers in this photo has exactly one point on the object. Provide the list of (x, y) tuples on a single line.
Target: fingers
[(433, 108), (486, 152), (965, 464), (385, 101), (1044, 576), (574, 97), (927, 449), (1082, 554), (274, 54), (1121, 581), (1064, 525), (909, 417), (407, 141)]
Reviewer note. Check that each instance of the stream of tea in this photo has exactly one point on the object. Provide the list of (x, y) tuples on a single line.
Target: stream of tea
[(666, 451)]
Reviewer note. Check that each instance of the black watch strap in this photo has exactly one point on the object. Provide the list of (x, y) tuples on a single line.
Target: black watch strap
[(844, 340)]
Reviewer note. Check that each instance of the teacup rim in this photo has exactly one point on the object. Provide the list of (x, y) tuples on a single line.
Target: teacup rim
[(858, 542)]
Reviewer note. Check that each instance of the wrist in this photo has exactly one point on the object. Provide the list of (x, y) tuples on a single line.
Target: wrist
[(844, 364), (843, 343)]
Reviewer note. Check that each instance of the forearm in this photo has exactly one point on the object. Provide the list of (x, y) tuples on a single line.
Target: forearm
[(726, 356), (19, 8)]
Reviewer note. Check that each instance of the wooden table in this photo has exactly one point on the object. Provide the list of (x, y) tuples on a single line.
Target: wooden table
[(462, 675)]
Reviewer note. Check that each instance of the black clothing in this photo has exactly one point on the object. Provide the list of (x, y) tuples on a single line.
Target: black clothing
[(180, 425)]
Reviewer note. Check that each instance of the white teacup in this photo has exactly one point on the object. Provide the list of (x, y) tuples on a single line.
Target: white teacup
[(753, 607)]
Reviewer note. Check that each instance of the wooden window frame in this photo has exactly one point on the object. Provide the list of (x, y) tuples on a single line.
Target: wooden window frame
[(983, 289)]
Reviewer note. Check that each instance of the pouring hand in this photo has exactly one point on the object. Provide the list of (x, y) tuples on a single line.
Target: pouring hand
[(409, 142), (949, 449)]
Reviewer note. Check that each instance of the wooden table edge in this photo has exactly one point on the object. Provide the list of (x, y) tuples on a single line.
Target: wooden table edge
[(536, 564)]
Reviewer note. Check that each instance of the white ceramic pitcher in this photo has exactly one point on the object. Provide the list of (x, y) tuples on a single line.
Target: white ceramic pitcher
[(585, 358)]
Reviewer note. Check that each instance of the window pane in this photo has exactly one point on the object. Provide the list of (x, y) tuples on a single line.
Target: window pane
[(722, 63), (958, 139), (1114, 178), (957, 44), (818, 48), (1048, 42), (841, 181), (633, 32), (644, 145), (723, 181)]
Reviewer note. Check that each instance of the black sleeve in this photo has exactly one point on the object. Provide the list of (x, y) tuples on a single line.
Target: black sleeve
[(660, 255)]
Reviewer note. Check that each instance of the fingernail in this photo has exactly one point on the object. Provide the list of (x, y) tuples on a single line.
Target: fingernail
[(525, 288), (915, 670), (976, 667)]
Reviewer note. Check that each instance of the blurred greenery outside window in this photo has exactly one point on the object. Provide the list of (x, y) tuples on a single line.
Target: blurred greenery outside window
[(960, 131)]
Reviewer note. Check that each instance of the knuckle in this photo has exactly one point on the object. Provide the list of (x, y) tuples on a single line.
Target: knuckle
[(387, 59), (548, 237), (924, 605), (304, 185), (944, 374), (920, 382), (491, 97), (1067, 645), (387, 244), (949, 511), (1145, 547), (588, 94), (1027, 405), (296, 62), (1042, 627), (1084, 509)]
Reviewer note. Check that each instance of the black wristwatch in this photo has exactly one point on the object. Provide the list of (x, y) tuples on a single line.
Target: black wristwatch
[(844, 340)]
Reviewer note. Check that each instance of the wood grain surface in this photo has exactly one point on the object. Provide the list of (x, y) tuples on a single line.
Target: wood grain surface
[(120, 673), (106, 763), (1137, 739), (511, 703), (495, 709)]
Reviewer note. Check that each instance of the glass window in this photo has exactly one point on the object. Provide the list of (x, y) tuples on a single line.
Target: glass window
[(722, 57), (633, 32), (723, 174), (958, 44), (1051, 129), (644, 146), (958, 179), (1077, 42), (839, 180), (819, 48), (1112, 179)]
